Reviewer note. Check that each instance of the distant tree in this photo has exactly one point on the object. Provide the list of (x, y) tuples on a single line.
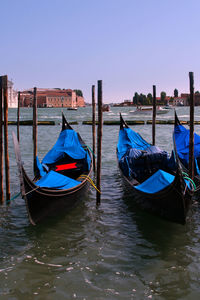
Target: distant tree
[(162, 96), (143, 99), (136, 98), (79, 93), (197, 92), (150, 98), (175, 93)]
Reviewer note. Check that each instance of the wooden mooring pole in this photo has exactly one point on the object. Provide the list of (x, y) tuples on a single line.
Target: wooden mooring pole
[(34, 129), (191, 146), (18, 109), (1, 143), (154, 116), (99, 141), (94, 126), (6, 154)]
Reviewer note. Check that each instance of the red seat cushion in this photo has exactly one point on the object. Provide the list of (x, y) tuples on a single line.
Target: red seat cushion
[(66, 167)]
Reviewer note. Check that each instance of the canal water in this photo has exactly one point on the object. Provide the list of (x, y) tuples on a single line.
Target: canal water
[(114, 252)]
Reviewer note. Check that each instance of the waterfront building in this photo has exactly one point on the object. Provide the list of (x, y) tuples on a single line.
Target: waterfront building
[(186, 98), (52, 98), (12, 95), (180, 101)]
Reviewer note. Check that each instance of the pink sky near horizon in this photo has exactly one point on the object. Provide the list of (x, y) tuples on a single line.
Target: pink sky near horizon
[(127, 44)]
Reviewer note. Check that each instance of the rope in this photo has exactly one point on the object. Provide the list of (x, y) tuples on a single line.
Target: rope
[(90, 181), (17, 195), (32, 190), (186, 176), (184, 173), (192, 182), (89, 149), (14, 197)]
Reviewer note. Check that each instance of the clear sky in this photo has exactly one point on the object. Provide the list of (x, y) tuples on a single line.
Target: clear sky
[(129, 44)]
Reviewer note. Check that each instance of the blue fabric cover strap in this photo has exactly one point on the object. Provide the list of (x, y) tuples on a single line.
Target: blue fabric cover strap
[(56, 180), (157, 182)]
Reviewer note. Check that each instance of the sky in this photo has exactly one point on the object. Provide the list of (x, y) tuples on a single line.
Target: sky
[(130, 45)]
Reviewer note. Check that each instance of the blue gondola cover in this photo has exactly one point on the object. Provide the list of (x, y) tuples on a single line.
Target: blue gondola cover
[(156, 182), (182, 138), (57, 181), (40, 167), (130, 139), (68, 142), (140, 160)]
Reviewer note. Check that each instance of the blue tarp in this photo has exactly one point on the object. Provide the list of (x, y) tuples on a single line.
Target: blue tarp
[(156, 182), (141, 164), (57, 181), (40, 167), (182, 138), (137, 158), (68, 142), (130, 139)]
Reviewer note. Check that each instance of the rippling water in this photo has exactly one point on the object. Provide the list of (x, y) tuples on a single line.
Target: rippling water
[(113, 252)]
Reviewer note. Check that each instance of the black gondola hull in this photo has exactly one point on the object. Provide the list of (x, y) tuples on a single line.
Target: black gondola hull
[(171, 203), (43, 203)]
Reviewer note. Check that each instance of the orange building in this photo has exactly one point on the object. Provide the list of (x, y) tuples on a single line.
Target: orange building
[(52, 98)]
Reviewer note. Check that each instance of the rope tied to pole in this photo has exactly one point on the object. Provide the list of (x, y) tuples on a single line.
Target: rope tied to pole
[(90, 181), (86, 146), (14, 197), (17, 195)]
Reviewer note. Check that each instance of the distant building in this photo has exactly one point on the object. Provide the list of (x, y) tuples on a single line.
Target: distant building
[(187, 99), (128, 102), (197, 99), (180, 101), (159, 101), (80, 102), (12, 95), (52, 98)]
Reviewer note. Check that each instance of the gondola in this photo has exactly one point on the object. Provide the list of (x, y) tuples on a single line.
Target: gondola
[(154, 179), (61, 178), (182, 140)]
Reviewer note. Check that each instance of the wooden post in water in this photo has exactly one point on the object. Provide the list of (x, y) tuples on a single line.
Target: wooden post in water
[(18, 109), (34, 129), (94, 126), (6, 154), (191, 146), (1, 142), (154, 116), (99, 141)]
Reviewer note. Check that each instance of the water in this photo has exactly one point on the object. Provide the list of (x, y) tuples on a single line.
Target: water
[(114, 252)]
